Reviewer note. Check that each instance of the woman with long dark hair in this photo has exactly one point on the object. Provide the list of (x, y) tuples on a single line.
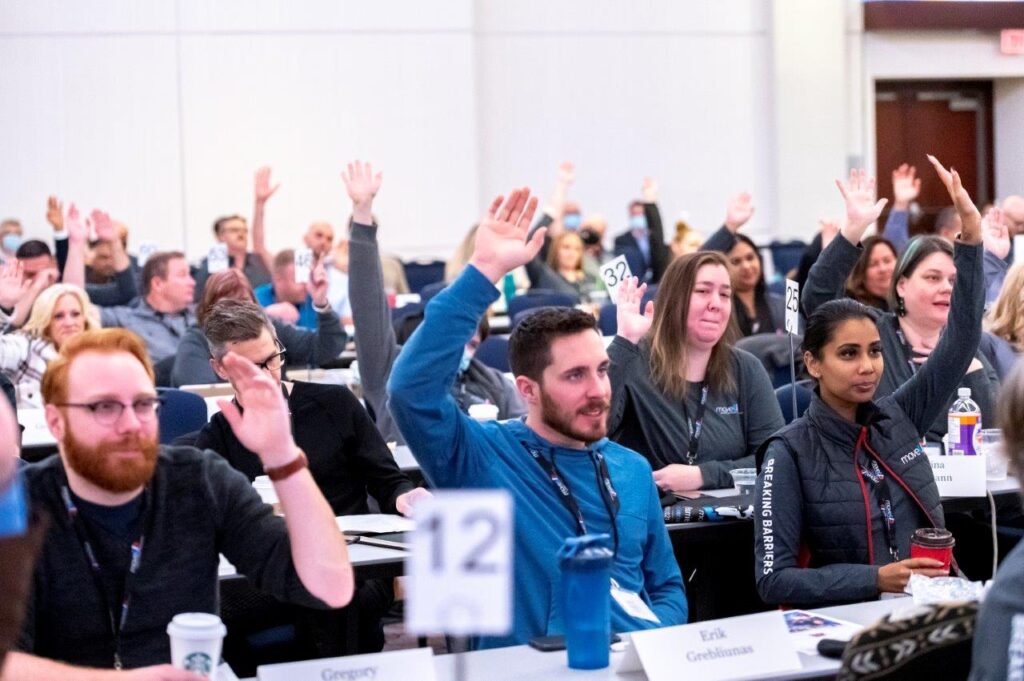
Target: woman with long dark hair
[(844, 487)]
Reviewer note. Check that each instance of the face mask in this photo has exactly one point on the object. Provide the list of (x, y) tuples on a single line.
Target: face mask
[(571, 221), (11, 242), (464, 363), (637, 222)]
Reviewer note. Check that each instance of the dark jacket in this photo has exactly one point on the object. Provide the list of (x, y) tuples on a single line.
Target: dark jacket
[(199, 508), (347, 456), (304, 347), (254, 269), (999, 630), (660, 255), (644, 419), (827, 281), (813, 541), (121, 290)]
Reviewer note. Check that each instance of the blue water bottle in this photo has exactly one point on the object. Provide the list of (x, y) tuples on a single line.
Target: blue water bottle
[(586, 599)]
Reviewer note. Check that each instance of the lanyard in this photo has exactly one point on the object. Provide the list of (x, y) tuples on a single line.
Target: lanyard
[(907, 350), (608, 494), (116, 623), (697, 425), (873, 474)]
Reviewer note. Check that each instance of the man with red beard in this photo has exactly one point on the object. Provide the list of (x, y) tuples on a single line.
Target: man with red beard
[(565, 476), (136, 528)]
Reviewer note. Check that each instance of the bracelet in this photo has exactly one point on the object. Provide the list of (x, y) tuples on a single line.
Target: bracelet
[(321, 310), (279, 473)]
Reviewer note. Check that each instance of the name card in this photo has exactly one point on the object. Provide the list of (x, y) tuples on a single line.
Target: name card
[(303, 259), (37, 433), (725, 649), (613, 273), (400, 665), (460, 567), (959, 476), (217, 258), (792, 306)]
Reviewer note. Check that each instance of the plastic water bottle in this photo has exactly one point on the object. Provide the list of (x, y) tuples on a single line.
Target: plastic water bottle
[(586, 599), (964, 425)]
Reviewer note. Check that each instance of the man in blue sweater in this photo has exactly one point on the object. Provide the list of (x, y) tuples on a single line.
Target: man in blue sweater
[(565, 476)]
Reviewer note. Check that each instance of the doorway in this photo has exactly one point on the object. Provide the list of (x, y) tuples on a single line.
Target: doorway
[(949, 119)]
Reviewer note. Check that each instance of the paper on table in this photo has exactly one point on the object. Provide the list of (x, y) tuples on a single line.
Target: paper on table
[(807, 628), (719, 493), (375, 522)]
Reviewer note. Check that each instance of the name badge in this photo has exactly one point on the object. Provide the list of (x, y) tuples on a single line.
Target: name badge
[(399, 665), (632, 604), (727, 649)]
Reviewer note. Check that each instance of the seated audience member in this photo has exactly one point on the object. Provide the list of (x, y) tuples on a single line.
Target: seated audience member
[(1013, 214), (682, 395), (347, 456), (137, 528), (592, 231), (906, 187), (561, 370), (997, 631), (305, 348), (997, 234), (291, 301), (919, 300), (757, 309), (564, 269), (35, 258), (376, 345), (18, 294), (71, 245), (233, 231), (163, 314), (60, 312), (11, 236), (644, 243), (319, 238), (1005, 320), (871, 278), (686, 240), (843, 488)]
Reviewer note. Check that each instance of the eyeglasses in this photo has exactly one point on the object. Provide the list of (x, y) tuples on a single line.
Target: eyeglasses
[(107, 412), (275, 361)]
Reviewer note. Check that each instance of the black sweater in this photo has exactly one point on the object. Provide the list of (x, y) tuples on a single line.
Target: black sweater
[(347, 456), (198, 508)]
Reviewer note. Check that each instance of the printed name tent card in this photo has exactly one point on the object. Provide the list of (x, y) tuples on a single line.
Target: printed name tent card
[(735, 648), (398, 665)]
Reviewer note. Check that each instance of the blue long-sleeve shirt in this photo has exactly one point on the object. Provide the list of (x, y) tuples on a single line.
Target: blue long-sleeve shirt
[(456, 452)]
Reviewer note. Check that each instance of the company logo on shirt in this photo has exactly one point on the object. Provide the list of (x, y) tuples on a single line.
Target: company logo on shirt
[(731, 409), (910, 456)]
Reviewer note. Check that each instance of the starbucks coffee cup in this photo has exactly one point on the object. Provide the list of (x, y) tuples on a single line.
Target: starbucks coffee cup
[(483, 412), (196, 640)]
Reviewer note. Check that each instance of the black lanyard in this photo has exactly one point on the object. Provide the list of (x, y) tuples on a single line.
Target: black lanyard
[(873, 474), (605, 487), (697, 425), (116, 623), (907, 350)]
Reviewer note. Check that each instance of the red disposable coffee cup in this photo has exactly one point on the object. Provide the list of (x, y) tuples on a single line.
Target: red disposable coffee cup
[(933, 542)]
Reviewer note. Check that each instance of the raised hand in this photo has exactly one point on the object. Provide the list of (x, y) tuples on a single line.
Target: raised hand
[(633, 323), (649, 191), (55, 213), (566, 173), (78, 233), (906, 186), (264, 427), (738, 211), (263, 188), (103, 226), (501, 244), (13, 285), (861, 207), (969, 215), (829, 231), (283, 312), (317, 285), (995, 234), (362, 186)]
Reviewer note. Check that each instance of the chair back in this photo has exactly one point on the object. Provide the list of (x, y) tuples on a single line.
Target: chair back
[(493, 352), (538, 298), (786, 255), (431, 290), (772, 350), (784, 394), (182, 412), (421, 273), (607, 320)]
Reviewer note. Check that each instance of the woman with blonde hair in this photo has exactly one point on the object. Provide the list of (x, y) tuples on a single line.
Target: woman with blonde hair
[(59, 313), (1005, 318)]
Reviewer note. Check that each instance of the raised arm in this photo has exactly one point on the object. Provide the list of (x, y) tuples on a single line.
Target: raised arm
[(926, 394), (906, 187), (738, 212), (420, 386), (262, 192), (996, 237), (317, 547), (632, 325), (827, 278), (376, 347), (123, 289), (78, 237), (661, 256)]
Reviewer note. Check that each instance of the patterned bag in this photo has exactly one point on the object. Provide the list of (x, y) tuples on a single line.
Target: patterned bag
[(933, 645)]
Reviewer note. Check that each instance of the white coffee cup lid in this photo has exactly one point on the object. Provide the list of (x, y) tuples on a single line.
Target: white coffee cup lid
[(483, 411), (196, 625)]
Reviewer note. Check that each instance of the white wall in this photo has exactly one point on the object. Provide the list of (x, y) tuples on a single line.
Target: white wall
[(1008, 96), (160, 111)]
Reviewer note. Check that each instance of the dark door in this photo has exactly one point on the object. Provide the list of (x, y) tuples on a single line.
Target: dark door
[(953, 121)]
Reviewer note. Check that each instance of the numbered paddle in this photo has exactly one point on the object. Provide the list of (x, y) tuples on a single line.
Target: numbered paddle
[(613, 273), (792, 326)]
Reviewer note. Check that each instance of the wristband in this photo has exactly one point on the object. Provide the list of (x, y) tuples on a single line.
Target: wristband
[(279, 473)]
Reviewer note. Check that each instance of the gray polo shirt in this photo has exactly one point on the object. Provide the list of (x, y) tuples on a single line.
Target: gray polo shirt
[(162, 331)]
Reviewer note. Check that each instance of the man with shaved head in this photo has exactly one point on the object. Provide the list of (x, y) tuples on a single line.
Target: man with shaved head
[(1013, 214)]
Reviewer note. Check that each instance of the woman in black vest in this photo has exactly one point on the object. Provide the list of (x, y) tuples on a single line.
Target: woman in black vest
[(842, 489)]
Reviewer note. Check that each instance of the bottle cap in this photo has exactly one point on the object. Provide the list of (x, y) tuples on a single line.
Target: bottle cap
[(963, 392)]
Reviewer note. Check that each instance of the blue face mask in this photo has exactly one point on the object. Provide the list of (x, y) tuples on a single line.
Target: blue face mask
[(11, 242), (571, 221), (464, 363), (637, 222)]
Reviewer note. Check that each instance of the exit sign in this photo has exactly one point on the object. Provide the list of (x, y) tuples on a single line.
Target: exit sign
[(1011, 41)]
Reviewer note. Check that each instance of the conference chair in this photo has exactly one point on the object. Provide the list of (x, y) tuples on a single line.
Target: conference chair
[(431, 290), (420, 273), (538, 298), (786, 255), (772, 350), (607, 320), (784, 394), (181, 413), (493, 352)]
